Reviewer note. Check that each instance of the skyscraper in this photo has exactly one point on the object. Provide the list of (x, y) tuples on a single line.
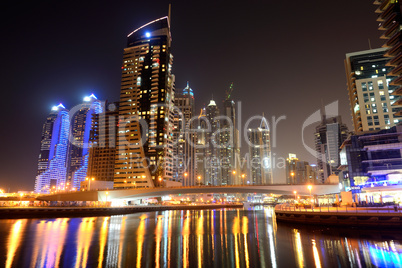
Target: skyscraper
[(370, 95), (144, 156), (102, 153), (260, 154), (202, 148), (184, 168), (229, 142), (298, 171), (329, 136), (390, 21), (213, 171), (53, 151), (80, 129)]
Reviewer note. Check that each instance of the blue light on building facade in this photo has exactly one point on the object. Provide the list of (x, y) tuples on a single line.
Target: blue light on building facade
[(78, 152), (372, 159), (54, 144)]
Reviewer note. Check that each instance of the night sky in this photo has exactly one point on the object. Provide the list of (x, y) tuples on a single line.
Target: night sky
[(284, 57)]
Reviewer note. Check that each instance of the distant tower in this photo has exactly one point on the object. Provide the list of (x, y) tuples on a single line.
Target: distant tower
[(184, 169), (212, 152), (78, 151), (144, 156), (260, 154), (370, 93), (329, 136), (102, 153), (53, 151), (299, 172), (229, 139), (202, 149)]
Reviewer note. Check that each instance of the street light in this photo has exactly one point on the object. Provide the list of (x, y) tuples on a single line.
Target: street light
[(243, 176), (160, 180), (310, 187), (89, 182), (107, 193), (295, 192), (293, 175), (199, 180)]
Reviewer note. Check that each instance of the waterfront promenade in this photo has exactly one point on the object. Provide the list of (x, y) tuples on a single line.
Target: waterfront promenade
[(341, 216)]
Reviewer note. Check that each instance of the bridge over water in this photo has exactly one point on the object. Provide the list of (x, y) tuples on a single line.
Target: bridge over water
[(140, 193)]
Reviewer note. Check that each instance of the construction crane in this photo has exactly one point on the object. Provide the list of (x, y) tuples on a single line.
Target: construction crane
[(229, 91)]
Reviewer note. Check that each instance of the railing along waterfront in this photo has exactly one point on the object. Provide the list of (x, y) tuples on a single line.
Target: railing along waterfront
[(342, 209)]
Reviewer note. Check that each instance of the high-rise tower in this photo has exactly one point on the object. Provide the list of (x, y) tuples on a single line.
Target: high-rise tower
[(184, 169), (390, 21), (260, 154), (80, 129), (102, 153), (370, 95), (53, 151), (212, 163), (329, 136), (229, 140), (144, 155)]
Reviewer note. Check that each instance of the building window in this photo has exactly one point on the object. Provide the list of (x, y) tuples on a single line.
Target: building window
[(380, 84), (364, 86), (370, 85)]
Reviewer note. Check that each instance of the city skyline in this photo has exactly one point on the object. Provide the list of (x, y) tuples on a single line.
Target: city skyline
[(47, 93)]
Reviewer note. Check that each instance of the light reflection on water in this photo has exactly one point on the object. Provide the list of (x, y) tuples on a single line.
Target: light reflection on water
[(200, 238)]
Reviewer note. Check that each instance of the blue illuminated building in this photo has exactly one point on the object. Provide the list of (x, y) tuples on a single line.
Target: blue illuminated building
[(78, 151), (372, 159), (53, 153)]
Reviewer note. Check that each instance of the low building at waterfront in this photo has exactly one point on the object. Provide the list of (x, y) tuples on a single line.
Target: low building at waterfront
[(372, 161)]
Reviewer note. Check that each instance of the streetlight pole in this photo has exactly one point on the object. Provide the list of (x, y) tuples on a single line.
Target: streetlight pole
[(89, 182), (310, 187), (243, 176), (295, 192), (293, 177), (199, 180), (234, 176)]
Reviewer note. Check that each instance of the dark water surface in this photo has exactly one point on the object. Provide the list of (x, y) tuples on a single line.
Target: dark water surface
[(204, 238)]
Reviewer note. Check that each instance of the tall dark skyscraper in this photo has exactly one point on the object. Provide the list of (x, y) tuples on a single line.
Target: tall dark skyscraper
[(80, 129), (53, 151), (390, 22), (329, 136), (201, 148), (144, 155), (184, 168), (229, 140), (213, 169)]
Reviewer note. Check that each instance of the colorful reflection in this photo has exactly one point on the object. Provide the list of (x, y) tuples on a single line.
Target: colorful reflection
[(14, 241), (222, 238)]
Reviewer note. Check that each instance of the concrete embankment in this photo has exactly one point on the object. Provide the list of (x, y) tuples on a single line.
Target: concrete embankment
[(52, 212), (341, 217)]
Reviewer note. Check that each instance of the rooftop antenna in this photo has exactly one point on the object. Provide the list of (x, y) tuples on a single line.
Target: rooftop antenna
[(170, 6), (323, 116), (369, 43)]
